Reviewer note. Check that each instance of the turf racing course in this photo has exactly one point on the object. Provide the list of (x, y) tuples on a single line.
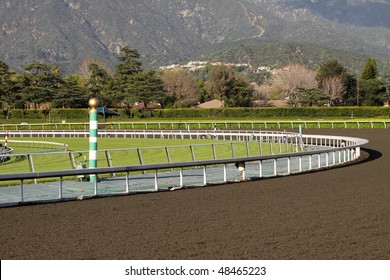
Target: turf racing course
[(340, 213)]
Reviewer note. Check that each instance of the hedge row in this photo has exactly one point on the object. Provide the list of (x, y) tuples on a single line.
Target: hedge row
[(56, 115), (263, 113)]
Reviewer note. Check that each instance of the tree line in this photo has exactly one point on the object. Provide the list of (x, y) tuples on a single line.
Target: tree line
[(43, 86), (330, 85)]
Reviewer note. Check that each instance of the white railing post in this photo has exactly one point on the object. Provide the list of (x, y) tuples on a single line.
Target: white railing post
[(204, 176), (156, 180), (181, 177), (60, 189), (127, 183)]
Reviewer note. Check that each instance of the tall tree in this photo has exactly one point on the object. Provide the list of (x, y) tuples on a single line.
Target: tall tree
[(41, 82), (240, 94), (73, 94), (227, 86), (334, 88), (372, 89), (220, 80), (144, 87), (370, 70), (291, 79), (333, 68), (99, 85), (128, 62), (181, 87), (8, 86), (128, 66)]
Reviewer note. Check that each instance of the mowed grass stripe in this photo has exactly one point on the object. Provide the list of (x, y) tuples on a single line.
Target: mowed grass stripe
[(124, 153)]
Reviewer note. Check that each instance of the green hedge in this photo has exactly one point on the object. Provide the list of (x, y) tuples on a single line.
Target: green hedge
[(261, 113), (81, 115)]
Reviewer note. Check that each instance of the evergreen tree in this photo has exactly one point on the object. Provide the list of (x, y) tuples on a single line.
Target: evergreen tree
[(41, 83), (220, 80), (144, 87), (72, 95), (332, 69), (370, 70), (240, 94), (99, 85), (372, 89), (129, 65), (9, 88)]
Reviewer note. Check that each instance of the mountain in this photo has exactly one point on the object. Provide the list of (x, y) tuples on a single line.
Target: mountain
[(65, 32)]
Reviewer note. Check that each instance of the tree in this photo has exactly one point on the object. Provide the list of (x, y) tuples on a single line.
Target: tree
[(129, 63), (84, 71), (240, 94), (99, 85), (333, 68), (334, 88), (372, 92), (291, 79), (73, 94), (9, 91), (372, 89), (219, 81), (313, 97), (182, 88), (41, 82), (144, 87), (128, 66), (370, 70), (227, 86)]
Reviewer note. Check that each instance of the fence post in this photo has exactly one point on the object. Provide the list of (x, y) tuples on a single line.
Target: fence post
[(31, 164), (21, 191), (156, 180), (141, 162), (93, 133), (127, 182), (109, 161), (168, 154), (60, 189), (275, 170), (204, 176)]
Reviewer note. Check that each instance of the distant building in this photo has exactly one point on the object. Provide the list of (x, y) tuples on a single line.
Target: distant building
[(211, 104)]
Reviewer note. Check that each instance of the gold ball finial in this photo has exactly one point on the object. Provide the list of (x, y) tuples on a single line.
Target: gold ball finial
[(93, 103)]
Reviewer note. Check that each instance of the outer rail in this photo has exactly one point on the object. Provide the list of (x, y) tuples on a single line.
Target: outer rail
[(331, 151)]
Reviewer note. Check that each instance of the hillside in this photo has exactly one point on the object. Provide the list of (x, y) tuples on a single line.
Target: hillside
[(64, 32)]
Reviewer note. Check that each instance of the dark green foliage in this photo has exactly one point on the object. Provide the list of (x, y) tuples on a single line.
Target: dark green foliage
[(372, 89), (99, 85), (144, 87), (313, 97), (40, 83), (9, 87), (370, 70), (72, 95)]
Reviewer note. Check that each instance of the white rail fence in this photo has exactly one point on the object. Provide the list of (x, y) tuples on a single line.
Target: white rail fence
[(205, 125), (320, 152)]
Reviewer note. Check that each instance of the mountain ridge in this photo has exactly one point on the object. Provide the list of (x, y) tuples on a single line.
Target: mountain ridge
[(65, 32)]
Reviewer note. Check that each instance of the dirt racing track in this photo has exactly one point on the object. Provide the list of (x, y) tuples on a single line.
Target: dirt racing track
[(340, 213)]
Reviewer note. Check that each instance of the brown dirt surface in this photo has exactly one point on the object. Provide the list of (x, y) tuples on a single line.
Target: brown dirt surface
[(340, 213)]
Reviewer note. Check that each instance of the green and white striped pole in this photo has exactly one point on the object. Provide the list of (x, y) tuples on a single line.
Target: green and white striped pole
[(93, 136)]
